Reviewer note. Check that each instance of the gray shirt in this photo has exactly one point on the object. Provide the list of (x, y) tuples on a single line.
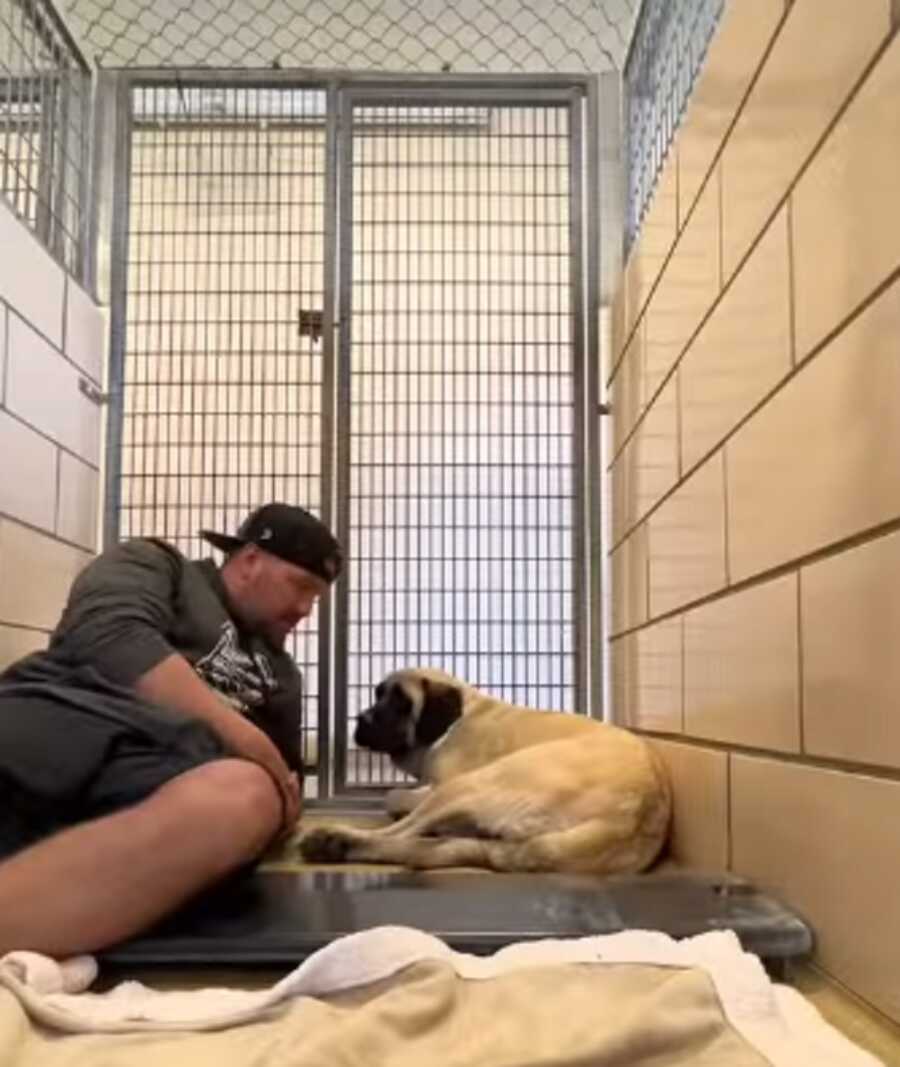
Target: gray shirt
[(142, 600)]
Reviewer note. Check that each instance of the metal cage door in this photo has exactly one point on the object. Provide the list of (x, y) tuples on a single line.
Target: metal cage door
[(463, 379), (221, 380)]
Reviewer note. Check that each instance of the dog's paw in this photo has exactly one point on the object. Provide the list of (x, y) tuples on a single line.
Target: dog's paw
[(325, 844)]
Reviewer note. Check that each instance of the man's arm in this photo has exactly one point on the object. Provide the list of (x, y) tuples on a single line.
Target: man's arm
[(173, 683), (119, 612)]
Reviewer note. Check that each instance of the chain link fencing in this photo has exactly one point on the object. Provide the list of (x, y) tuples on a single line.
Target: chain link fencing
[(399, 36)]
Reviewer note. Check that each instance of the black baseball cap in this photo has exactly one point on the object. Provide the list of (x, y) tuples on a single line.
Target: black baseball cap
[(293, 534)]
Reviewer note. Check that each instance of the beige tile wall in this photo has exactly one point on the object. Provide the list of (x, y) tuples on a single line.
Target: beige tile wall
[(829, 842), (732, 63), (18, 641), (686, 539), (790, 107), (741, 667), (851, 669), (649, 678), (700, 811), (839, 265), (756, 473), (36, 572), (743, 351), (687, 288)]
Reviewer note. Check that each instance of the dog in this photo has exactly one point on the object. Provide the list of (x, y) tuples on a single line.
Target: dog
[(505, 787)]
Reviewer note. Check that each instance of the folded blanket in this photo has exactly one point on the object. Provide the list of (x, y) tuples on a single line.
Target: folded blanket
[(395, 995)]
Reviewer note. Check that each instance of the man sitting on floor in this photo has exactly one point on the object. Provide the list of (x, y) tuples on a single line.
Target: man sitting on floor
[(153, 748)]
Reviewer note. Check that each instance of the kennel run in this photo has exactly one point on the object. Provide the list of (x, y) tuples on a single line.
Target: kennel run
[(371, 298)]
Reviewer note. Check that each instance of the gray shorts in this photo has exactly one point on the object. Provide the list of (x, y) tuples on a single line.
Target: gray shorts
[(69, 753)]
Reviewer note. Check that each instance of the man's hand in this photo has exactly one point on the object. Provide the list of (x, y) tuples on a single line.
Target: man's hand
[(174, 684), (250, 743)]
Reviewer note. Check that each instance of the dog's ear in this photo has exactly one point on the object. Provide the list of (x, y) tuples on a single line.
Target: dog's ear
[(441, 707)]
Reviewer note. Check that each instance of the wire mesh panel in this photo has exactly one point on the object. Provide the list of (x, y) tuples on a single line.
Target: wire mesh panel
[(44, 128), (223, 369), (363, 35), (670, 42), (461, 248)]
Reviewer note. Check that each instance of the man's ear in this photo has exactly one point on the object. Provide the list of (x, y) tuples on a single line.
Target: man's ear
[(441, 707)]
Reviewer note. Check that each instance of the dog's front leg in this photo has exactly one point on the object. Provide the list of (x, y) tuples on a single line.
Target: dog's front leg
[(399, 802), (341, 844)]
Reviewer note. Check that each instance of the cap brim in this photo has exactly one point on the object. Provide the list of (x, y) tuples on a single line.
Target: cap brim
[(222, 541)]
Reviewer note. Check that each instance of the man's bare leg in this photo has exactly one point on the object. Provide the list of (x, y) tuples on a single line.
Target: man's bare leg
[(98, 883)]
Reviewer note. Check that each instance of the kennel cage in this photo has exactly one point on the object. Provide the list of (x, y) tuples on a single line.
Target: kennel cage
[(372, 298), (275, 303)]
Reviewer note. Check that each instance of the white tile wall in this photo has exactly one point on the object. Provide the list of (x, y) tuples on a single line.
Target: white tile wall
[(4, 315), (43, 413), (42, 387), (78, 488), (28, 467), (30, 281), (85, 331)]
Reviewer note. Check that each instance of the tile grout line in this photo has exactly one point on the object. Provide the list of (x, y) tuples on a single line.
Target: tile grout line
[(801, 700), (714, 162), (803, 760), (857, 540), (793, 373), (854, 91)]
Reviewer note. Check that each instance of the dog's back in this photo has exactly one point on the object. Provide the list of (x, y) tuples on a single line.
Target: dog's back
[(491, 728)]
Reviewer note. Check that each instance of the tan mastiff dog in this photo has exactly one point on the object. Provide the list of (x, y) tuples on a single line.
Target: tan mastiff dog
[(508, 788)]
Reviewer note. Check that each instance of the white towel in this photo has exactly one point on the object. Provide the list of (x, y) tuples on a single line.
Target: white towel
[(775, 1020)]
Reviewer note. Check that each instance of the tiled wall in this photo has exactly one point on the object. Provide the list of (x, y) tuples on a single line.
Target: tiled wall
[(52, 337), (756, 472)]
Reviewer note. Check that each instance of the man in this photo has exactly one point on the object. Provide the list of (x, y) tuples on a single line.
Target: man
[(154, 747)]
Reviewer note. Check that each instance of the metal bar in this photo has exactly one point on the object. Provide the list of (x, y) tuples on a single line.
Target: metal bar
[(152, 211), (577, 307), (135, 435), (314, 77), (476, 96), (118, 314), (34, 98), (374, 264), (593, 465), (8, 62), (331, 311), (57, 26), (342, 442), (87, 175), (59, 141), (98, 219), (46, 163)]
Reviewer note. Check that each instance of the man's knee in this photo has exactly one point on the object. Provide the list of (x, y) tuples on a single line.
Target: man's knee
[(238, 796)]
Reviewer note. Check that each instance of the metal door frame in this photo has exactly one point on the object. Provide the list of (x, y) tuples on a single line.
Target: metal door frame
[(114, 123)]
